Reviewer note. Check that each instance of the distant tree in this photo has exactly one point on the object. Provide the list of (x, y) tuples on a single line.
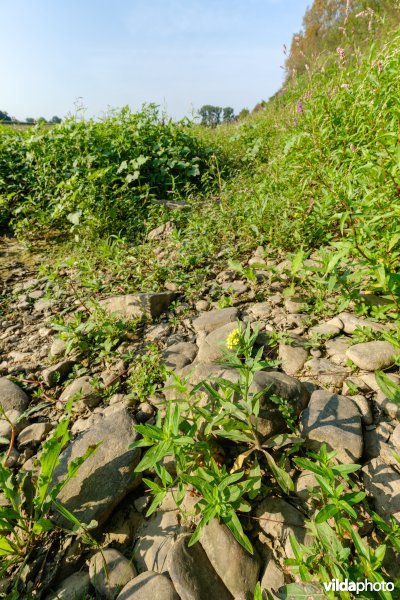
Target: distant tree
[(4, 116), (243, 113), (55, 119), (228, 114), (29, 120), (41, 120), (210, 115)]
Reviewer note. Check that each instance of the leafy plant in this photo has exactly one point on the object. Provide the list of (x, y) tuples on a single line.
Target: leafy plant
[(147, 373), (195, 430), (26, 519)]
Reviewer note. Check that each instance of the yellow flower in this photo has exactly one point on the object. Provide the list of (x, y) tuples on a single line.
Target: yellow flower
[(233, 339)]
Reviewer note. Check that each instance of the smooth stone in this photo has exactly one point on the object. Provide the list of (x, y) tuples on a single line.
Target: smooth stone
[(12, 397), (192, 573), (293, 358), (236, 567), (372, 356), (85, 393), (214, 319), (58, 347), (137, 306), (213, 347), (34, 434), (326, 372), (382, 481), (351, 323), (109, 572), (336, 421), (106, 477), (278, 519), (56, 374), (74, 587), (149, 586)]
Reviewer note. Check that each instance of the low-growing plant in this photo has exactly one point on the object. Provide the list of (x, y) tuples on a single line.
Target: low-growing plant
[(94, 333), (147, 373), (212, 433), (337, 550), (31, 501)]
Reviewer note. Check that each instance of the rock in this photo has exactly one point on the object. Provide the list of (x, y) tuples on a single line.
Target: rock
[(330, 328), (213, 347), (337, 345), (105, 478), (364, 408), (237, 569), (43, 305), (351, 323), (235, 287), (305, 483), (192, 573), (293, 358), (18, 424), (185, 349), (326, 372), (74, 587), (57, 373), (280, 384), (382, 481), (156, 538), (161, 232), (136, 306), (202, 305), (215, 319), (12, 397), (278, 519), (370, 380), (395, 438), (372, 356), (85, 393), (109, 572), (34, 434), (273, 577), (58, 347), (12, 459), (336, 421), (149, 586), (294, 306), (145, 412), (262, 310), (388, 406)]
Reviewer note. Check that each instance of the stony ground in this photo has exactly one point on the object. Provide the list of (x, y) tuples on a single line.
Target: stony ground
[(325, 373)]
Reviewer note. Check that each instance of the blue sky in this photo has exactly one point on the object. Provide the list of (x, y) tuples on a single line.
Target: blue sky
[(179, 54)]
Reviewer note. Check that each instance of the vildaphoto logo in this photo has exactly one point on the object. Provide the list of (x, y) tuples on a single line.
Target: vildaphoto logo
[(358, 586)]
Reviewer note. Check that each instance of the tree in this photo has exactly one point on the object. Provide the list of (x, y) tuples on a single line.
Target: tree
[(243, 113), (210, 115), (30, 120), (5, 117), (55, 119), (228, 114)]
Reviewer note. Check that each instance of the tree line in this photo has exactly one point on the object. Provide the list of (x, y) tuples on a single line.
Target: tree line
[(6, 118)]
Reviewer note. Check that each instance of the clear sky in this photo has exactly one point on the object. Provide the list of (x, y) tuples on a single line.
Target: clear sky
[(180, 54)]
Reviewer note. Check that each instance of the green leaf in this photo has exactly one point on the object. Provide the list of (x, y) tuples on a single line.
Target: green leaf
[(388, 387), (330, 510), (282, 477)]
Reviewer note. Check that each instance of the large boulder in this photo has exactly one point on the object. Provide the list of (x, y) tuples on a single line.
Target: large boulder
[(12, 397), (336, 421), (149, 586), (236, 567), (293, 357), (136, 306), (105, 478), (192, 573)]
